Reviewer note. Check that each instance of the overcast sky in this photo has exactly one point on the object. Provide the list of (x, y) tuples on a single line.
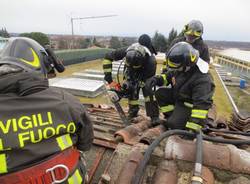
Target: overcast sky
[(222, 19)]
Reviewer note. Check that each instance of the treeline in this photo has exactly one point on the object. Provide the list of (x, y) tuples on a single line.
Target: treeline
[(4, 33), (77, 43), (159, 40), (161, 43)]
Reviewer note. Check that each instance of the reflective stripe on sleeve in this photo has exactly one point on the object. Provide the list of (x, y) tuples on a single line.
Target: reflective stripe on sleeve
[(75, 178), (133, 102), (64, 141), (193, 126), (201, 114), (106, 62), (167, 108), (3, 164), (165, 82), (107, 70)]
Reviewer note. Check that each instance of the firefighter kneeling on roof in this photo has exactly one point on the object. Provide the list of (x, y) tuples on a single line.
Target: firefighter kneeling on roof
[(186, 100), (42, 130)]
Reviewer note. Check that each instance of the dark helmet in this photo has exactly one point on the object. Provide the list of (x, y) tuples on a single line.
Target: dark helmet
[(181, 56), (193, 30), (28, 55), (136, 55), (145, 40)]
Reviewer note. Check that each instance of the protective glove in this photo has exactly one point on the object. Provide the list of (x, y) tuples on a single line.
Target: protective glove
[(114, 86), (151, 82)]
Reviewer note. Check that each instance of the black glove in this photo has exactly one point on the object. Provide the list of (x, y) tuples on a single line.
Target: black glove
[(54, 60), (151, 82)]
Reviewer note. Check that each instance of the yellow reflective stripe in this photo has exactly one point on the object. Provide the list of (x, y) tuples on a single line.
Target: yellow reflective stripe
[(193, 33), (164, 66), (106, 62), (189, 32), (197, 33), (187, 104), (193, 57), (202, 114), (147, 98), (133, 102), (164, 76), (35, 62), (3, 164), (75, 178), (64, 141), (167, 108), (107, 70), (137, 66), (172, 65), (192, 125)]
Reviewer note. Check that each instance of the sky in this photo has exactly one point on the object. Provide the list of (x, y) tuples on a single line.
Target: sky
[(222, 19)]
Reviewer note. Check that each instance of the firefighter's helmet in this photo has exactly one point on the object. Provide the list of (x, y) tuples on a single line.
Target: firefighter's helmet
[(193, 30), (27, 54), (136, 55), (182, 56)]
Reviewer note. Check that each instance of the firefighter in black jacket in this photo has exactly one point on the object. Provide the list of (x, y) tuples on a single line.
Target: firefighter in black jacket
[(42, 130), (186, 102), (192, 34), (140, 65)]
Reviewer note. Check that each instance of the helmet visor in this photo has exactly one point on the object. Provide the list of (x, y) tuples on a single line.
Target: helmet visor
[(173, 65), (193, 33)]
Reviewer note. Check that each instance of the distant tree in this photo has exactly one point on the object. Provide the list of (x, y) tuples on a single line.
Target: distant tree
[(115, 43), (125, 42), (96, 43), (172, 35), (4, 33), (62, 44), (85, 43), (159, 41), (41, 38)]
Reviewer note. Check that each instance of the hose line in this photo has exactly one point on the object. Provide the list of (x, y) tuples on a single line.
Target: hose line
[(197, 176), (141, 167)]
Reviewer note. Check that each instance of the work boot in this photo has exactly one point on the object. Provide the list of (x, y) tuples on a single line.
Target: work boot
[(131, 117), (155, 121)]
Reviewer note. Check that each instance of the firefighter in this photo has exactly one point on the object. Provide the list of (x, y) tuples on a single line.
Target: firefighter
[(185, 102), (192, 34), (140, 65), (43, 130)]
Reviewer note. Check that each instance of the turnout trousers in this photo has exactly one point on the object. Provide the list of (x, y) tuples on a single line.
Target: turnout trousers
[(151, 105), (175, 111)]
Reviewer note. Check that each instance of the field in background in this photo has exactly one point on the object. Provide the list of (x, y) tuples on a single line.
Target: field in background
[(223, 105)]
